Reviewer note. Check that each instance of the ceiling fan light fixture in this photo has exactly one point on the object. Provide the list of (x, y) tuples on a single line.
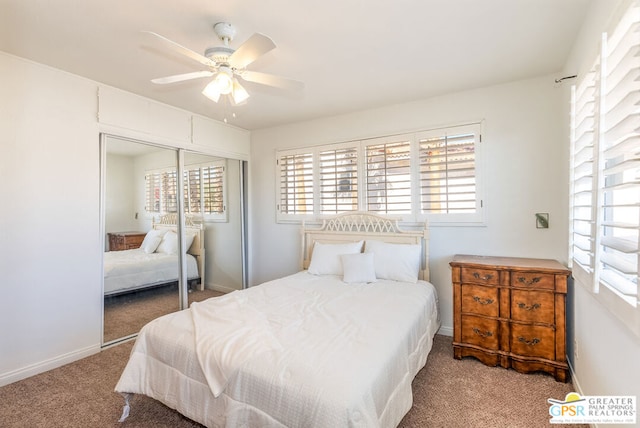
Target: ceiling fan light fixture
[(224, 80), (240, 94), (212, 91)]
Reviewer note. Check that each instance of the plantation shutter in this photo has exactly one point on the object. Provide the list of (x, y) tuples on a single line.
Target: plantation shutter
[(582, 170), (169, 192), (296, 183), (339, 180), (619, 166), (192, 200), (152, 192), (447, 173), (213, 189), (388, 168)]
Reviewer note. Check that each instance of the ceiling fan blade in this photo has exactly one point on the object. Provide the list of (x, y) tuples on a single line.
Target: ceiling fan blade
[(182, 77), (182, 50), (272, 80), (256, 46)]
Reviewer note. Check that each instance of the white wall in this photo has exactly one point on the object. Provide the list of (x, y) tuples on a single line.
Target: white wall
[(525, 164), (50, 258), (50, 255), (120, 197), (608, 352)]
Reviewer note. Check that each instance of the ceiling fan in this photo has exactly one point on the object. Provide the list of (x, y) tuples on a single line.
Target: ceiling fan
[(226, 65)]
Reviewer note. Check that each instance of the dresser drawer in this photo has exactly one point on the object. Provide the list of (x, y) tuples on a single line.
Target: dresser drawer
[(480, 331), (479, 276), (477, 299), (533, 341), (533, 280), (532, 306)]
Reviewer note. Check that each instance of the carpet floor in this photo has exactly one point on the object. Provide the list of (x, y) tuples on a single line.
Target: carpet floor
[(447, 393)]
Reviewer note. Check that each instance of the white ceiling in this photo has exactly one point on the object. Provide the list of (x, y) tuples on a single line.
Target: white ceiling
[(351, 54)]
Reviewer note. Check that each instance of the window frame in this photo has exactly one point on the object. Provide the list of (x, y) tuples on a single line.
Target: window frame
[(415, 215), (207, 217)]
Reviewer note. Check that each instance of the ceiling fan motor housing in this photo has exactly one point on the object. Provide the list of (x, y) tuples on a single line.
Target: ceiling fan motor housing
[(219, 54), (225, 31)]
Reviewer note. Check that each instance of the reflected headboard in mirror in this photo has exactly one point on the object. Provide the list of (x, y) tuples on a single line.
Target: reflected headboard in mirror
[(193, 226)]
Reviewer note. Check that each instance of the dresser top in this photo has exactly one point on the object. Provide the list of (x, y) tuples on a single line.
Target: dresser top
[(126, 233), (513, 263)]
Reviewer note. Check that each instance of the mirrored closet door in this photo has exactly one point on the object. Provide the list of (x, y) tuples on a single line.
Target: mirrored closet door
[(141, 261), (145, 274)]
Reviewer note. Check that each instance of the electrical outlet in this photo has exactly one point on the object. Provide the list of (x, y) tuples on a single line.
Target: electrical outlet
[(575, 349)]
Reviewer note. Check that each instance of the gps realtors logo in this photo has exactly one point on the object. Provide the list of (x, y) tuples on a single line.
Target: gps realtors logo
[(604, 409)]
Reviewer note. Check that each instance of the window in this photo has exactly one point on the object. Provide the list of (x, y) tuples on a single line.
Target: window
[(161, 191), (338, 180), (389, 177), (426, 175), (605, 181), (204, 191), (448, 173), (296, 184)]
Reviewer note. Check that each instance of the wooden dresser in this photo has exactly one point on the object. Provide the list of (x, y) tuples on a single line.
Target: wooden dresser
[(511, 312), (119, 241)]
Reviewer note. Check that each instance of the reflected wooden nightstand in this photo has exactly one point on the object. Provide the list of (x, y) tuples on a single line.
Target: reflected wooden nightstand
[(119, 241)]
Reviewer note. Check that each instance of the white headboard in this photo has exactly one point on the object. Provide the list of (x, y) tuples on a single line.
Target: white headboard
[(356, 226)]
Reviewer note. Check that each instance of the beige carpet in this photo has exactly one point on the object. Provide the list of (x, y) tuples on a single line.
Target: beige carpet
[(125, 314), (447, 393)]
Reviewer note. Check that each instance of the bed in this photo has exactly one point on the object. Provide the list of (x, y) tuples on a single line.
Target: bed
[(336, 344), (156, 262)]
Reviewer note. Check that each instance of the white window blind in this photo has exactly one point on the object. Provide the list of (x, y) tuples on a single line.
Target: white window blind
[(605, 168), (204, 192), (161, 191), (296, 183), (448, 173), (338, 180), (212, 177), (204, 189), (582, 170), (429, 175), (389, 177), (153, 191), (619, 165)]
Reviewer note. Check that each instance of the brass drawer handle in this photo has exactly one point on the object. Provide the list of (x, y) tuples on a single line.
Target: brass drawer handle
[(530, 307), (483, 302), (531, 342), (534, 280), (487, 277), (477, 331)]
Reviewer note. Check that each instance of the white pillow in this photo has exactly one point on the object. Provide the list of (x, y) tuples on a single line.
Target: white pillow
[(325, 259), (189, 237), (398, 262), (151, 240), (169, 244), (358, 267)]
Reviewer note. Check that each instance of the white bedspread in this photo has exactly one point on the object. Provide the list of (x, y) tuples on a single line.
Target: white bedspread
[(303, 351), (131, 269)]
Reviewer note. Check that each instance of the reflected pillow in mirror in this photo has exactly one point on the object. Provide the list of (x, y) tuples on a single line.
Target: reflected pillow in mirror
[(189, 238), (169, 244), (358, 268), (151, 241)]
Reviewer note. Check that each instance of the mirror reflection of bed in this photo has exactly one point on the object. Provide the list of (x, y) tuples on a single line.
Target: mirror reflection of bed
[(141, 259), (141, 277)]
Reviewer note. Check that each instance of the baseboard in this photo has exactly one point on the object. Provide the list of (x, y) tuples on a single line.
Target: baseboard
[(576, 385), (445, 331), (220, 288), (41, 367)]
